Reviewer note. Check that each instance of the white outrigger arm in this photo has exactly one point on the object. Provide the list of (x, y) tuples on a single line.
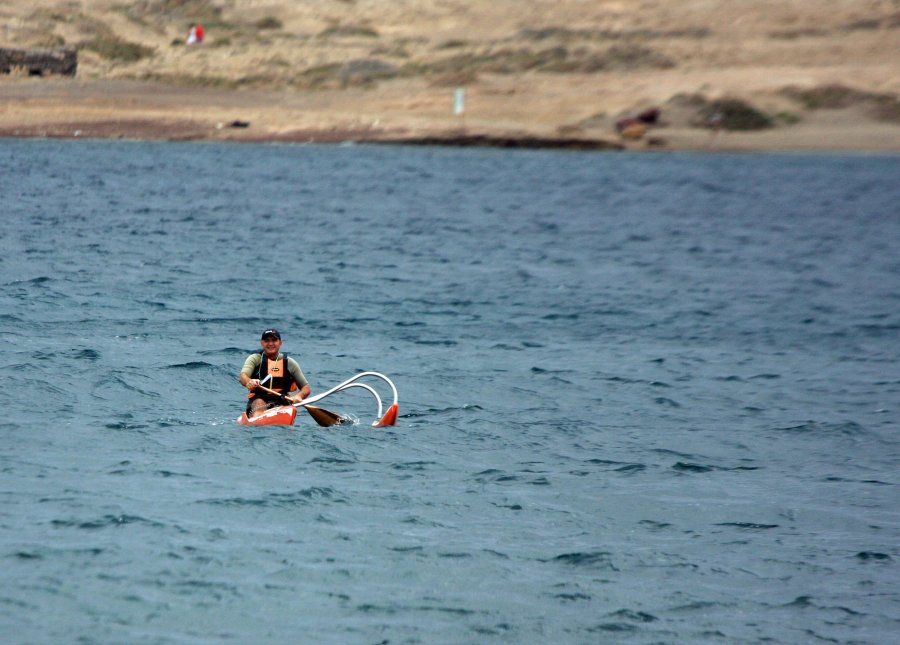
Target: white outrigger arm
[(388, 418)]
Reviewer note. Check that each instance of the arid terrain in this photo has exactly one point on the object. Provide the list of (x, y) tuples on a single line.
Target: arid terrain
[(646, 74)]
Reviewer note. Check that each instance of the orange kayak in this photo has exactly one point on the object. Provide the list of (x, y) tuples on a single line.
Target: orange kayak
[(283, 415)]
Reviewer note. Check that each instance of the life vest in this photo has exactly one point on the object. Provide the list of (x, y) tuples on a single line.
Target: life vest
[(282, 381)]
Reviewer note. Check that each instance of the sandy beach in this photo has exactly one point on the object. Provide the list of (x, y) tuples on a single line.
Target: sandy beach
[(823, 76)]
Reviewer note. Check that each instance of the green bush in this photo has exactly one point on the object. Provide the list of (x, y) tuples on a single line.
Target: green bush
[(788, 118), (733, 114)]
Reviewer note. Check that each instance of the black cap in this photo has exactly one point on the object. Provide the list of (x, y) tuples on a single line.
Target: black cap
[(271, 332)]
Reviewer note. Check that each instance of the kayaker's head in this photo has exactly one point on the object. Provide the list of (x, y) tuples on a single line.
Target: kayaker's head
[(270, 342)]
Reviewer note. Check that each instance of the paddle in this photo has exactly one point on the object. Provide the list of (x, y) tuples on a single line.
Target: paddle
[(323, 417)]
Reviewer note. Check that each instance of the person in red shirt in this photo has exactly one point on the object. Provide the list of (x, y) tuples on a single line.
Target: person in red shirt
[(195, 37)]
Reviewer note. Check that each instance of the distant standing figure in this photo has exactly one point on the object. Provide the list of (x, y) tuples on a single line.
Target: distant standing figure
[(714, 123), (195, 37)]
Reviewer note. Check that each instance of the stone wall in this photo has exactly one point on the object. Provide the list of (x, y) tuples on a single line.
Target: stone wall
[(39, 62)]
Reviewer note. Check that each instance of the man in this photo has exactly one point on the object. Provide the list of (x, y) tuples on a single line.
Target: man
[(274, 370)]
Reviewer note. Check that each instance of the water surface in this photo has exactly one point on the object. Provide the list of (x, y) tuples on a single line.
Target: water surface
[(644, 399)]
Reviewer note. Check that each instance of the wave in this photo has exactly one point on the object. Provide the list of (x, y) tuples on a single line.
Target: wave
[(413, 465), (635, 381), (332, 461), (687, 467), (572, 596), (107, 521), (749, 526), (845, 429), (83, 354), (591, 559), (637, 616), (125, 425), (303, 497), (228, 351), (501, 477), (683, 467), (430, 412), (190, 365), (618, 466), (666, 402), (38, 280), (41, 553)]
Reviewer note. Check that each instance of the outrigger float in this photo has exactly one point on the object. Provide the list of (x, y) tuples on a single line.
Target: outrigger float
[(284, 415)]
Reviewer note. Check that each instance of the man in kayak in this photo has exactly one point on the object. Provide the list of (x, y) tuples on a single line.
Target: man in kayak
[(275, 371)]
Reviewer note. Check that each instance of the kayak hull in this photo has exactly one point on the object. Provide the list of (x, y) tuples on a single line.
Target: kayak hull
[(283, 415)]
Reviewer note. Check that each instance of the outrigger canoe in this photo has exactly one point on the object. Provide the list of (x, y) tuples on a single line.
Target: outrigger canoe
[(285, 415), (282, 415)]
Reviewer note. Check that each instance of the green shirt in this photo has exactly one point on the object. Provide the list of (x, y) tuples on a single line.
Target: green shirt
[(255, 360)]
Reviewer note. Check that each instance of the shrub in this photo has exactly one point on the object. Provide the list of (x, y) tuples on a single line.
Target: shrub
[(884, 107), (565, 34), (362, 72), (349, 31), (826, 97), (560, 60), (628, 56), (269, 22), (453, 44), (114, 48), (788, 118), (733, 114)]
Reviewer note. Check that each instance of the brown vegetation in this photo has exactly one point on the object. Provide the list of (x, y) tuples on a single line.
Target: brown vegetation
[(768, 72)]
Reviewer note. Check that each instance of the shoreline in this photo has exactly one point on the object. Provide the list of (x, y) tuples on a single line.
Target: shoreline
[(391, 115), (162, 131)]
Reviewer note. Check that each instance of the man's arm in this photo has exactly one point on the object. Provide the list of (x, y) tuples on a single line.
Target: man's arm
[(299, 378), (247, 371)]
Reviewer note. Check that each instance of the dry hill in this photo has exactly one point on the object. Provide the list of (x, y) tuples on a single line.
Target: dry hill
[(787, 73)]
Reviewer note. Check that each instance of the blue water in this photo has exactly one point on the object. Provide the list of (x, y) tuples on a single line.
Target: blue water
[(643, 398)]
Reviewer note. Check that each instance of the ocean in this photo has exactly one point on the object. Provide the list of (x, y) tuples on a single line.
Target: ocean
[(644, 398)]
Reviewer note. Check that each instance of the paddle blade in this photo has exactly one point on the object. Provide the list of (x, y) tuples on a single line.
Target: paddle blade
[(323, 417), (389, 418)]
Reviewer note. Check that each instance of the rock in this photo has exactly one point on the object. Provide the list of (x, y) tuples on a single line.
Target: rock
[(634, 131)]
